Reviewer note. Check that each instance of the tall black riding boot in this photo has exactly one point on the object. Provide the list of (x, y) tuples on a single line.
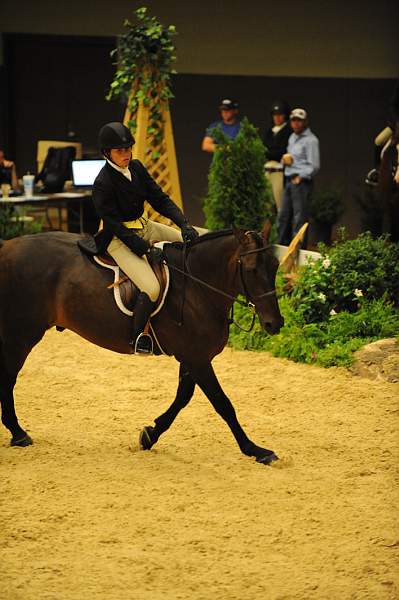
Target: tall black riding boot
[(141, 342)]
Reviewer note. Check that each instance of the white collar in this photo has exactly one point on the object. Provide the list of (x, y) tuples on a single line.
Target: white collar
[(277, 128), (126, 172)]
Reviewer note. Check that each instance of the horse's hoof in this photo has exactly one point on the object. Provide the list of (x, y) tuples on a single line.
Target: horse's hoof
[(145, 439), (267, 459), (22, 442)]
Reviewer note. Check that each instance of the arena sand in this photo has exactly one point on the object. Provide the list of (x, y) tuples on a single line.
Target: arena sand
[(86, 515)]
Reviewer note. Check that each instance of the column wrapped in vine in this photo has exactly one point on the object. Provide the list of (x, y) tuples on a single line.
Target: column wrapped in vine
[(145, 55)]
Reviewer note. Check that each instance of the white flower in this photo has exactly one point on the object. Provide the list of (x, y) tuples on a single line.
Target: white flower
[(326, 263), (322, 297), (358, 293), (332, 312)]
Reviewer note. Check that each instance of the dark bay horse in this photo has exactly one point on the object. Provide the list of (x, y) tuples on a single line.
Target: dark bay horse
[(388, 184), (46, 281)]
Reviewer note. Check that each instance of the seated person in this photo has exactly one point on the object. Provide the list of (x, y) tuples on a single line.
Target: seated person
[(229, 124), (8, 172)]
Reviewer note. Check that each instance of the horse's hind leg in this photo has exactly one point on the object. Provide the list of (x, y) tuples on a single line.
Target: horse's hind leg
[(205, 377), (150, 435), (8, 416)]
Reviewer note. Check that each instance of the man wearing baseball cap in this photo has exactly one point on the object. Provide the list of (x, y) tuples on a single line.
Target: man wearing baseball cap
[(229, 124), (301, 163)]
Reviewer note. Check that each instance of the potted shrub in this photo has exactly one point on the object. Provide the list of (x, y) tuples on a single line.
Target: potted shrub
[(326, 208)]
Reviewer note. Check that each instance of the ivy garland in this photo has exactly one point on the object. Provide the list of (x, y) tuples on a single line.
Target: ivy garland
[(145, 55)]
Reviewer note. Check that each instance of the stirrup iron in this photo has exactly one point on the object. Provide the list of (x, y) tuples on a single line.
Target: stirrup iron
[(148, 347)]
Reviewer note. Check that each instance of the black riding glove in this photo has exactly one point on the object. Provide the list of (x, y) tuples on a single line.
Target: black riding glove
[(155, 253), (189, 233)]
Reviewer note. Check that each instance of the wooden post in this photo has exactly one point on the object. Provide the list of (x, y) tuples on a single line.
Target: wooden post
[(158, 157)]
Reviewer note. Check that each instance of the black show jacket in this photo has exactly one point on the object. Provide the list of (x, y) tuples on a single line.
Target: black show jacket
[(116, 199), (276, 144)]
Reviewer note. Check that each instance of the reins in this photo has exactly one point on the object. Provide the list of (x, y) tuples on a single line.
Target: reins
[(247, 303)]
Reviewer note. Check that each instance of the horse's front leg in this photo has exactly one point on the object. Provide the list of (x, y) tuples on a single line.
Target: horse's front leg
[(150, 435), (205, 377)]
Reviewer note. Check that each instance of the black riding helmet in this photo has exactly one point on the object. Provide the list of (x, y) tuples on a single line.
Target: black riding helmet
[(280, 107), (115, 135)]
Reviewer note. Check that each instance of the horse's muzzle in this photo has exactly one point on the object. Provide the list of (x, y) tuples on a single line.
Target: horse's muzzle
[(273, 327)]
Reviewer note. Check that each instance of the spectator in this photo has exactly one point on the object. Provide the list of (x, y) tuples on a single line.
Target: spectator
[(229, 124), (8, 172), (301, 162), (276, 140)]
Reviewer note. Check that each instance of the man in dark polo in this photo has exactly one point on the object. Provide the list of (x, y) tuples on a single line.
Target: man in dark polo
[(229, 123)]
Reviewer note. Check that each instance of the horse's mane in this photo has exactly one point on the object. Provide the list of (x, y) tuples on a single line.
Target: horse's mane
[(206, 237), (213, 235)]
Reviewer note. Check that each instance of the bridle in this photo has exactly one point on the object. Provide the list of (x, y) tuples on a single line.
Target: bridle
[(249, 299)]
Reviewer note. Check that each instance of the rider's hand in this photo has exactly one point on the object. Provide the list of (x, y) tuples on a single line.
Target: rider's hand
[(155, 253), (189, 233)]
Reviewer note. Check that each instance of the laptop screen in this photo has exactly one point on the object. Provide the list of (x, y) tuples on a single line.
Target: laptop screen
[(84, 172)]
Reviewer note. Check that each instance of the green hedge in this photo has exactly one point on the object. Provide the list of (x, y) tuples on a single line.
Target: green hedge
[(340, 302)]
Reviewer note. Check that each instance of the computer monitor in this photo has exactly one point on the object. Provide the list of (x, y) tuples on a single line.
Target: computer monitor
[(84, 172)]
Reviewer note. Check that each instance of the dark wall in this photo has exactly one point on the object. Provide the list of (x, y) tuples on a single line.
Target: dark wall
[(55, 84), (345, 114)]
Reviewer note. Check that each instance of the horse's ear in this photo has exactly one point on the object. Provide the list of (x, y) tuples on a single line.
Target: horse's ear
[(266, 229)]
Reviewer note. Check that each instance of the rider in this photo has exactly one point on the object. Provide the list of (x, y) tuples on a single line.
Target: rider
[(119, 192), (383, 139), (380, 142)]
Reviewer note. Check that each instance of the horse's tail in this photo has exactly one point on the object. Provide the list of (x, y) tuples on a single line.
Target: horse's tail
[(1, 242)]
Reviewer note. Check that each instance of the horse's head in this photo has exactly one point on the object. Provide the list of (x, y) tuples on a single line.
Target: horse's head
[(257, 271)]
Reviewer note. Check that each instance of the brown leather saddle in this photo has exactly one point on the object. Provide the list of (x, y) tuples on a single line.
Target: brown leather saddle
[(127, 289)]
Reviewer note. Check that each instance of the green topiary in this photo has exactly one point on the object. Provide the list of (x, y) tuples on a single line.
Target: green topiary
[(238, 193)]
